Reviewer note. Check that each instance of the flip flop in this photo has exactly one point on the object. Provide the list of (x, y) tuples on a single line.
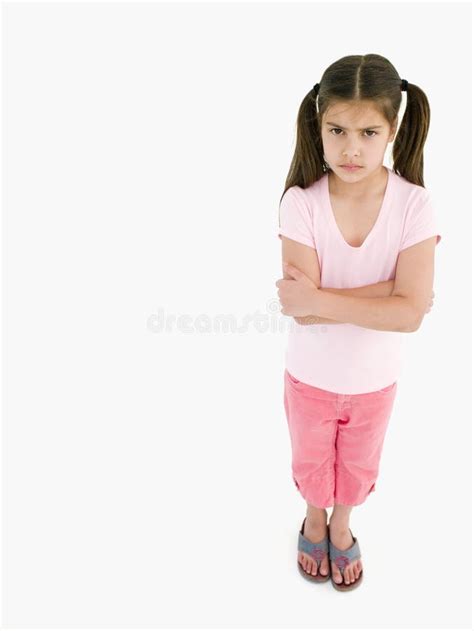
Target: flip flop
[(315, 550), (342, 558)]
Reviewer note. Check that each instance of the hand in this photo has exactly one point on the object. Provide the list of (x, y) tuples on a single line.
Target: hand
[(431, 303), (298, 297), (307, 320)]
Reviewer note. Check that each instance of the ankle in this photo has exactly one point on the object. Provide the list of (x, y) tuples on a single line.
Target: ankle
[(338, 525), (316, 518)]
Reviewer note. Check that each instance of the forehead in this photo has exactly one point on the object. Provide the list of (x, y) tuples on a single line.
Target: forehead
[(357, 115)]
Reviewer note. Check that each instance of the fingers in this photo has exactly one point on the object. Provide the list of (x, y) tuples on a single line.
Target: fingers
[(431, 302)]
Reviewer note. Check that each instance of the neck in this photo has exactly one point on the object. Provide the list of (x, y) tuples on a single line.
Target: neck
[(364, 188)]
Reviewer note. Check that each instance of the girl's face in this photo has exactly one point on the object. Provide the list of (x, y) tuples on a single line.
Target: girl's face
[(355, 133)]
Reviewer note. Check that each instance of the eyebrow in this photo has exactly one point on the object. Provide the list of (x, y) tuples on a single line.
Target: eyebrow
[(361, 129)]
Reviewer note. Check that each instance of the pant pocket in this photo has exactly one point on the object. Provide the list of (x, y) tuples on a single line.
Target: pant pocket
[(388, 388), (292, 379)]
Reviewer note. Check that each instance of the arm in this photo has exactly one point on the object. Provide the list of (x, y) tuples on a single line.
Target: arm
[(306, 259), (376, 290), (402, 311), (392, 313)]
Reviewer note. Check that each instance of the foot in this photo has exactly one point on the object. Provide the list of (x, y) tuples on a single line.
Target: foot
[(315, 533), (342, 539)]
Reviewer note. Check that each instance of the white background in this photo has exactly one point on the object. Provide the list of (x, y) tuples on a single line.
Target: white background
[(146, 471)]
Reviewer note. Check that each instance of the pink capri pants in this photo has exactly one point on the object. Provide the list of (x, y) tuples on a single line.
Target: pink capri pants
[(336, 441)]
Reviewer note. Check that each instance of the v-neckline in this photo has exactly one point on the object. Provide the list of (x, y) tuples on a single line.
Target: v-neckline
[(377, 223)]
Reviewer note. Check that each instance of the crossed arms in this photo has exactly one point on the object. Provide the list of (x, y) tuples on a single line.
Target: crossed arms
[(392, 305)]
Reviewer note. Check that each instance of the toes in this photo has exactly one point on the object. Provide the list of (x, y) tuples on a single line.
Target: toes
[(355, 569), (336, 573), (302, 560), (323, 568), (349, 575), (311, 567), (308, 564), (344, 575)]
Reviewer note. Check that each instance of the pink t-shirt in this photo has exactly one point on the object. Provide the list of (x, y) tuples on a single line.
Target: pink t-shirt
[(346, 358)]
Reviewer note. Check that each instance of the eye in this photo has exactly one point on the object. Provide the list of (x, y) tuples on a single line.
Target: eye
[(371, 131)]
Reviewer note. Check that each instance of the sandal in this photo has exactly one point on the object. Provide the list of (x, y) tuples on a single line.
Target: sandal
[(315, 550), (342, 558)]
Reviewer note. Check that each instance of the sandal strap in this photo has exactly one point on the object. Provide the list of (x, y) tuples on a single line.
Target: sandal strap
[(343, 557), (315, 550)]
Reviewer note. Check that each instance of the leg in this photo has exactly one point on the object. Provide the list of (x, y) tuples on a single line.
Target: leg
[(342, 539), (340, 516), (316, 516), (315, 529), (312, 424), (359, 443)]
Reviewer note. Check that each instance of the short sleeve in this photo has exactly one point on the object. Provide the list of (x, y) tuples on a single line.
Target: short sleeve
[(296, 219), (420, 222)]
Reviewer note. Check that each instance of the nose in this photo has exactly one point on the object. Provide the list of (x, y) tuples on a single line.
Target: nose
[(351, 148), (352, 152)]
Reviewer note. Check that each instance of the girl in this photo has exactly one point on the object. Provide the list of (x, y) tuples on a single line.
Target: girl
[(358, 242)]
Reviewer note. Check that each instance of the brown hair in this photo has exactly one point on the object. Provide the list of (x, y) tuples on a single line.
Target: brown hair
[(351, 79)]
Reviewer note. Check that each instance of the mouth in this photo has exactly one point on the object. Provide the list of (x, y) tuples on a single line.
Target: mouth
[(351, 167)]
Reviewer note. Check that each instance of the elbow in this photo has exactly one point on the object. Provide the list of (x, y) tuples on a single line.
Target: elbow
[(412, 317), (414, 323), (417, 324)]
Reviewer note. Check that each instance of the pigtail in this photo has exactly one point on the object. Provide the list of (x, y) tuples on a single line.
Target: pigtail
[(307, 164), (411, 136)]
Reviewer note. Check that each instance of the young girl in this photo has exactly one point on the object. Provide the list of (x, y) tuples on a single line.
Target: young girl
[(358, 243)]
